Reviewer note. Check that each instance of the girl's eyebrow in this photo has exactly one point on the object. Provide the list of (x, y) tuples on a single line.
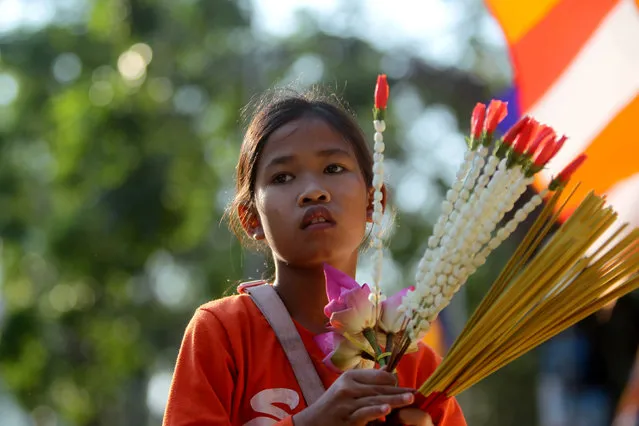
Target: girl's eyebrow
[(287, 159), (329, 152)]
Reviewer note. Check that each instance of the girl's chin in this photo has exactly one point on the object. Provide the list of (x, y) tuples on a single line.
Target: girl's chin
[(319, 258), (318, 248)]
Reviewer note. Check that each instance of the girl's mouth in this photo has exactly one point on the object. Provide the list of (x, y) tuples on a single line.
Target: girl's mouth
[(318, 225), (317, 218)]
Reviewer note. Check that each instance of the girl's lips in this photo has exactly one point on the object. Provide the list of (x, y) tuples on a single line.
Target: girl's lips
[(319, 226), (315, 213)]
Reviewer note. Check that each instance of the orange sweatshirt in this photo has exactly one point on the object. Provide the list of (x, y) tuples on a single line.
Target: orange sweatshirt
[(231, 370)]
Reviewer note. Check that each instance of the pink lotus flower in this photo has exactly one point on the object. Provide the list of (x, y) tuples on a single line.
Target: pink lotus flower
[(348, 308), (357, 333), (344, 354), (391, 318)]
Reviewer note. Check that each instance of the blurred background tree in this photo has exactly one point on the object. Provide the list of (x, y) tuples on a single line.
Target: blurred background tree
[(120, 125)]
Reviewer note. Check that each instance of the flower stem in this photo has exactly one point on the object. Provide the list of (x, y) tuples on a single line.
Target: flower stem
[(389, 342), (369, 334)]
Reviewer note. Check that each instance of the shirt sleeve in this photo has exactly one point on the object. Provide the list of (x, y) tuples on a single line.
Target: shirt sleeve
[(202, 387), (201, 392)]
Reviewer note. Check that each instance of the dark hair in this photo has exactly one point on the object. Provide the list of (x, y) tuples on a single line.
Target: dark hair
[(274, 110)]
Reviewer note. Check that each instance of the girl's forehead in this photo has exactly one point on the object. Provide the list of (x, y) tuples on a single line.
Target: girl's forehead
[(305, 134)]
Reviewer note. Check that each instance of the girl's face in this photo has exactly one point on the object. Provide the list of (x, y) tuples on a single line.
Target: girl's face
[(311, 198)]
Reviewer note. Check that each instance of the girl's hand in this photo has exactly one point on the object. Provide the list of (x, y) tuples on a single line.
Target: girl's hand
[(415, 417), (356, 398)]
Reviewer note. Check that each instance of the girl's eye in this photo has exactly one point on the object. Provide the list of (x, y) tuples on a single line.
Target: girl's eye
[(282, 178), (334, 168)]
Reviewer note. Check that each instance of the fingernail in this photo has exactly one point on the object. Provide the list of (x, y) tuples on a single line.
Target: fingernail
[(408, 397), (385, 408)]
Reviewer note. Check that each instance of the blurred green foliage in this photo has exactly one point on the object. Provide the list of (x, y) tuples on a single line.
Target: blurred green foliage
[(116, 162)]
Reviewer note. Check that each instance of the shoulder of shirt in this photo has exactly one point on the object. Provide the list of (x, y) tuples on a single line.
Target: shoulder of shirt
[(236, 314), (231, 320), (231, 306)]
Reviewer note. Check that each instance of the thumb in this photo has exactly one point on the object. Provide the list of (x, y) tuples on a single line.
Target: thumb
[(415, 417)]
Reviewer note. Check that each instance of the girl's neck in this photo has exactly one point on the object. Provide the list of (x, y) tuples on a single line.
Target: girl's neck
[(303, 291)]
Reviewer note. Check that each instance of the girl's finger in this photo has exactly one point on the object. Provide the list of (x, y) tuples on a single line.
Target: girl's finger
[(415, 417), (372, 377), (371, 390), (395, 401), (367, 414)]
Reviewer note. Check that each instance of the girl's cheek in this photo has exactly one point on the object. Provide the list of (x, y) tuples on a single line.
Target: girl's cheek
[(354, 190), (262, 197)]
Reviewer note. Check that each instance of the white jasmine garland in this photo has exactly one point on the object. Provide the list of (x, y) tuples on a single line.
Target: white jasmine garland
[(447, 208), (478, 217), (469, 227), (510, 227), (377, 217)]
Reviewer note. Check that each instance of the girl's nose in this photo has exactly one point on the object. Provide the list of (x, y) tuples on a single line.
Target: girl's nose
[(313, 194)]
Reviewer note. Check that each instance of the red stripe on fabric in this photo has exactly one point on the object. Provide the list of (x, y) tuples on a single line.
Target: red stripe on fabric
[(541, 56)]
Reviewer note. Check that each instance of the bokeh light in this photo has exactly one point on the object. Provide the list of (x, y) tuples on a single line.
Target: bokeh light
[(131, 65), (67, 67), (9, 89)]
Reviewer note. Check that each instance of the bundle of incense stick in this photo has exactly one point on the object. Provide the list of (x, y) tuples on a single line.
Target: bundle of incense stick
[(542, 290)]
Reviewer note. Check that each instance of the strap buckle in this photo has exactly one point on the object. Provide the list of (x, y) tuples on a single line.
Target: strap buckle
[(241, 289)]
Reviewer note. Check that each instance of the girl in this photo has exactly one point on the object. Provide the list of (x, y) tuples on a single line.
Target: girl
[(304, 191)]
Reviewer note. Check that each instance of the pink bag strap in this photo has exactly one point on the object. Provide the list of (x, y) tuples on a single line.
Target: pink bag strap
[(273, 309)]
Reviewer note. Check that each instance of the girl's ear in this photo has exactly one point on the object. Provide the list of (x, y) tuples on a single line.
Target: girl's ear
[(250, 222), (369, 209)]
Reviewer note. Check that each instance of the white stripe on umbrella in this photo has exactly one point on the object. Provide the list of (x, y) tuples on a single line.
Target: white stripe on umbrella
[(602, 79)]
